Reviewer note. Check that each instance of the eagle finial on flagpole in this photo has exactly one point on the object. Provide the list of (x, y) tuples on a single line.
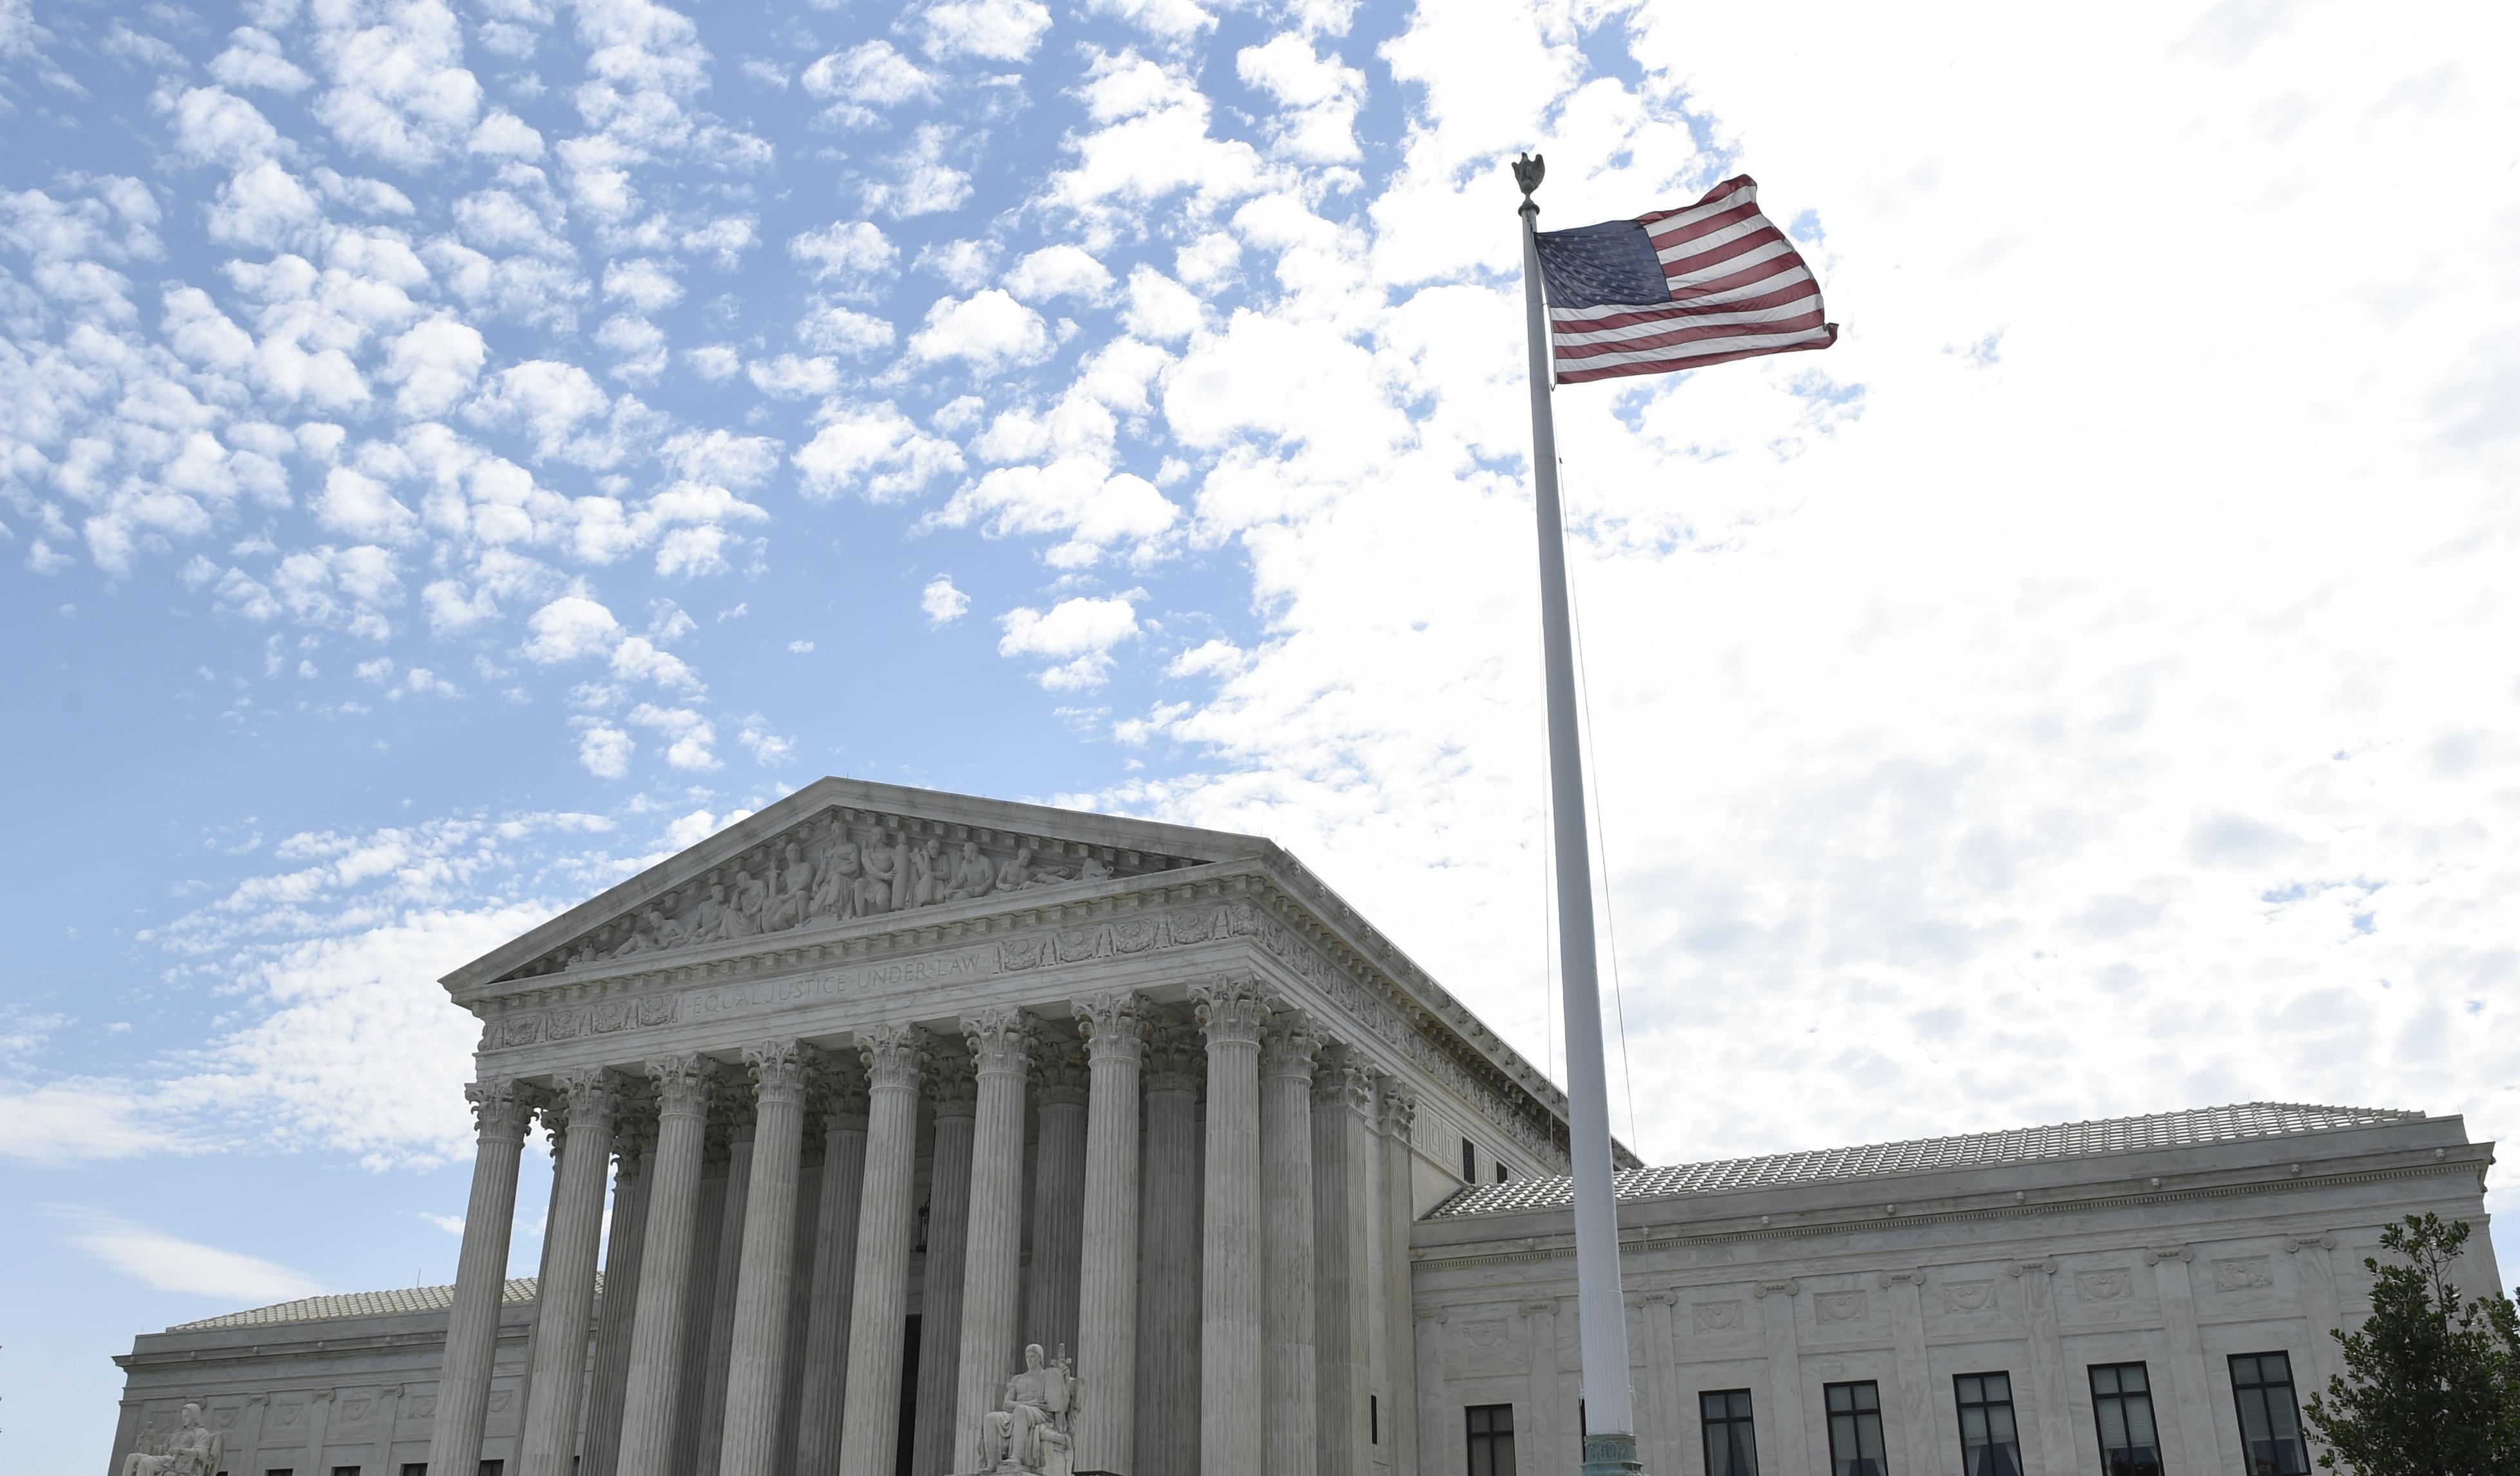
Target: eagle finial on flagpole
[(1528, 172)]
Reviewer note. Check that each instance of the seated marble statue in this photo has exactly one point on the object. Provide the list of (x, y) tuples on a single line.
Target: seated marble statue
[(1031, 1433), (191, 1451)]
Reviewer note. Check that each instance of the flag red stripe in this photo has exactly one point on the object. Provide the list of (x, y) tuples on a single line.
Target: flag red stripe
[(1737, 289)]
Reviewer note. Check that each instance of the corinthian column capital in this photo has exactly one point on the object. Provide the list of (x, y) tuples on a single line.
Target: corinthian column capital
[(1287, 1045), (781, 1069), (894, 1055), (1341, 1079), (1399, 1109), (1058, 1074), (1001, 1040), (1110, 1026), (499, 1108), (592, 1097), (682, 1084), (1233, 1008), (951, 1085)]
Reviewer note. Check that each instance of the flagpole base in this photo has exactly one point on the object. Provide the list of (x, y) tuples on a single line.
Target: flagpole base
[(1611, 1456)]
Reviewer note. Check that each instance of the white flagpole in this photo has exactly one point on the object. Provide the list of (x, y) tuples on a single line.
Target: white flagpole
[(1610, 1439)]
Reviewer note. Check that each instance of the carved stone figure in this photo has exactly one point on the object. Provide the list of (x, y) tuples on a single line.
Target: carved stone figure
[(708, 920), (643, 936), (671, 931), (1093, 870), (927, 875), (751, 901), (883, 869), (972, 875), (1018, 872), (1031, 1433), (793, 891), (836, 881), (191, 1451)]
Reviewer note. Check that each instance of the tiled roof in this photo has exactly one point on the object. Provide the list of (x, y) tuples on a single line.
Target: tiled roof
[(372, 1303), (2120, 1134)]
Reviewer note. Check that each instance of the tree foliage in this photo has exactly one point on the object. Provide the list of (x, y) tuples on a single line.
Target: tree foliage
[(2432, 1381)]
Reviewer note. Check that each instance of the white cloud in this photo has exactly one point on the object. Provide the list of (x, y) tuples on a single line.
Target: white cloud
[(645, 283), (253, 59), (400, 91), (788, 375), (1159, 307), (169, 1262), (942, 603), (568, 628), (994, 30), (989, 331), (1075, 635), (868, 76), (767, 748), (213, 125), (265, 206), (1209, 658), (875, 450), (922, 183), (854, 250), (1079, 496), (502, 134), (1166, 19), (687, 734), (1317, 98), (361, 507), (1059, 271), (436, 362), (604, 751), (832, 329)]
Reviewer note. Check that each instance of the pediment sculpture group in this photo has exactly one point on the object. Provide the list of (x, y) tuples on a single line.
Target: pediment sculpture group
[(190, 1450), (837, 880)]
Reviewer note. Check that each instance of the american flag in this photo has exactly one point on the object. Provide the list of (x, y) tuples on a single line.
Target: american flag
[(1677, 289)]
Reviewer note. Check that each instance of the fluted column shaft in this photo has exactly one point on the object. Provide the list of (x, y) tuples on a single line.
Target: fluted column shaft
[(565, 1301), (800, 1285), (1001, 1043), (616, 1307), (1106, 1313), (893, 1056), (940, 1294), (1168, 1340), (1231, 1011), (835, 1255), (499, 1110), (758, 1349), (1057, 1199), (699, 1305), (717, 1353), (1342, 1290), (652, 1397), (1290, 1413), (1399, 1300)]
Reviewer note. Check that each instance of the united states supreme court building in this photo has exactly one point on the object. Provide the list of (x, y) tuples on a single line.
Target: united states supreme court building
[(942, 1135)]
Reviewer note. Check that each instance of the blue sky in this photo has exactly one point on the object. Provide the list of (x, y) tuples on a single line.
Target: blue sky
[(451, 456)]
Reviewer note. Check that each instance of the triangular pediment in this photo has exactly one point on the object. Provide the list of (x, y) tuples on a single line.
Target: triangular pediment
[(843, 852)]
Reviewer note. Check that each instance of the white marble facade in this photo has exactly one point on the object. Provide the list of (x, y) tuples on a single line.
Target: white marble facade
[(1156, 1102)]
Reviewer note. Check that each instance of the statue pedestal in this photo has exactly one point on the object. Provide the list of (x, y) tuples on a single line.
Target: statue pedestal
[(1611, 1456)]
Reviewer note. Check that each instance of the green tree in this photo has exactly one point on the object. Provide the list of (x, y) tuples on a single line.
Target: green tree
[(2432, 1381)]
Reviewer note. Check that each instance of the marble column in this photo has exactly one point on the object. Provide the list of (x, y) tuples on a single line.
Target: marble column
[(1342, 1278), (2187, 1373), (1168, 1342), (1925, 1432), (1399, 1298), (717, 1351), (554, 1113), (1231, 1011), (836, 1254), (700, 1303), (800, 1281), (1058, 1198), (499, 1111), (894, 1056), (565, 1301), (1002, 1046), (2057, 1446), (1778, 1325), (758, 1348), (616, 1307), (949, 1089), (1290, 1411), (1107, 1328), (657, 1352)]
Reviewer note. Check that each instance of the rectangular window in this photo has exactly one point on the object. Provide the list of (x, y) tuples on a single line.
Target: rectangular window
[(1502, 1174), (1854, 1429), (1731, 1448), (414, 1468), (1990, 1444), (500, 1467), (2122, 1407), (1374, 1418), (345, 1471), (1491, 1432), (2270, 1415), (1470, 1162)]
